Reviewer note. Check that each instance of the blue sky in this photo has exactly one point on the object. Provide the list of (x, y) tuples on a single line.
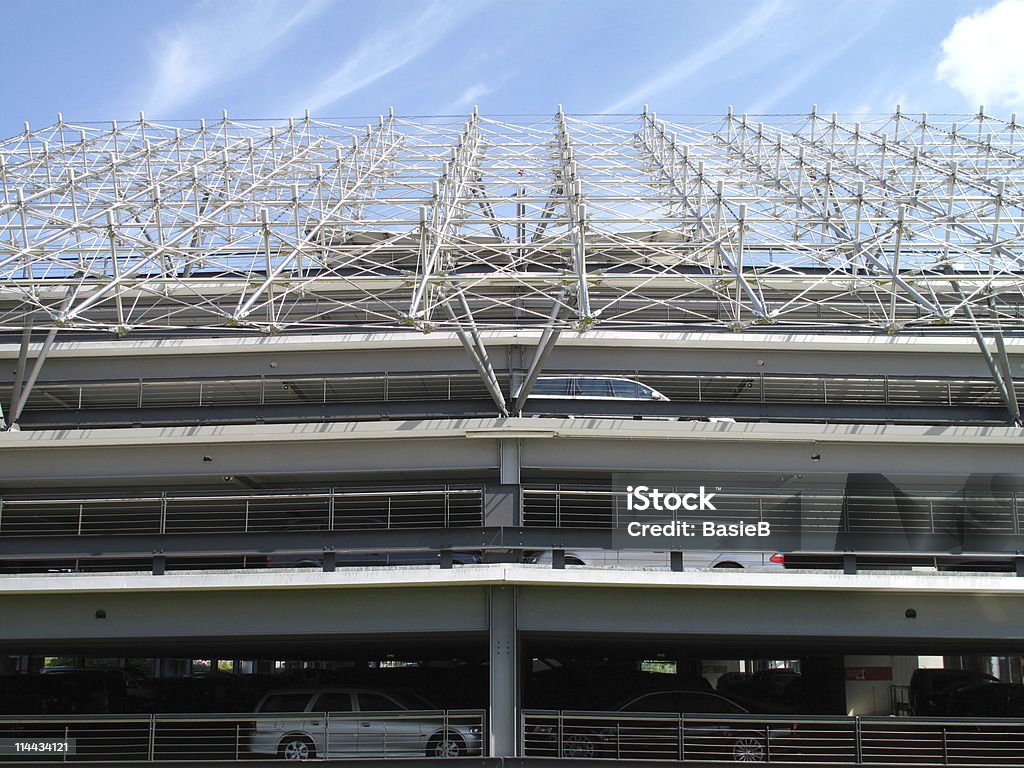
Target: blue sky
[(272, 58)]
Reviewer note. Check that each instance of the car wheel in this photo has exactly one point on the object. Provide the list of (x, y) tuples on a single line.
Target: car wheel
[(728, 564), (748, 748), (577, 745), (297, 747), (446, 745)]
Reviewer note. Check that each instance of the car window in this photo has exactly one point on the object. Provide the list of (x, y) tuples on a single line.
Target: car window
[(557, 387), (706, 703), (285, 702), (654, 702), (645, 392), (625, 388), (334, 701), (376, 702), (593, 387)]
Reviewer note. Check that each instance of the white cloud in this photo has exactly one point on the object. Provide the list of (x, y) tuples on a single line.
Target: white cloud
[(379, 55), (219, 42), (468, 99), (982, 56), (750, 27)]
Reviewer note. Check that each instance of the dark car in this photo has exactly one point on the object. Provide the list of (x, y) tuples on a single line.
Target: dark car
[(673, 724), (986, 699), (930, 689)]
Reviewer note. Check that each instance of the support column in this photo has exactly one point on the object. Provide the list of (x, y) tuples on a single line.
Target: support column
[(503, 723)]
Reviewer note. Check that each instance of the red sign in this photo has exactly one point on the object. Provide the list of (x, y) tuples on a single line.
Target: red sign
[(868, 674)]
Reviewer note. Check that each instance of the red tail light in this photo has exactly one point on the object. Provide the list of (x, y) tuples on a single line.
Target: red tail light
[(778, 558)]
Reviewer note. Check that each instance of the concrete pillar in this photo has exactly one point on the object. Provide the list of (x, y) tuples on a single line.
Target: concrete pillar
[(503, 636)]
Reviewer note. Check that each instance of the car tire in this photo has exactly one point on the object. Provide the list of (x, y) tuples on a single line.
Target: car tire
[(578, 745), (296, 747), (446, 745), (748, 748), (727, 564)]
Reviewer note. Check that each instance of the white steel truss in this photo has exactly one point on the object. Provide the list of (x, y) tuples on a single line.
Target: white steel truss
[(888, 223)]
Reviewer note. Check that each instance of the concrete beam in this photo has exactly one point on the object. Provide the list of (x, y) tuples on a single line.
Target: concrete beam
[(460, 445)]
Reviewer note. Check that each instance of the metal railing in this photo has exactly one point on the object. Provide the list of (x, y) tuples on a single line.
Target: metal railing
[(768, 739), (778, 388), (230, 737), (254, 391), (332, 509)]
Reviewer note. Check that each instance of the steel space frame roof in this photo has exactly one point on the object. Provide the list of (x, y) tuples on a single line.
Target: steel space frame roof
[(630, 221)]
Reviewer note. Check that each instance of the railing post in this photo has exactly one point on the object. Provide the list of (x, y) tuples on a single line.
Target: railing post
[(81, 514), (151, 751), (560, 732), (330, 511), (682, 738), (327, 735), (67, 739), (263, 389), (163, 512), (945, 747), (857, 747), (1, 514), (238, 729), (245, 524)]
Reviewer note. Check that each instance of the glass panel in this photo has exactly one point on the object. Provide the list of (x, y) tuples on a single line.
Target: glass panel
[(556, 387), (375, 702), (654, 702), (706, 703), (624, 388), (336, 701), (286, 702), (594, 387)]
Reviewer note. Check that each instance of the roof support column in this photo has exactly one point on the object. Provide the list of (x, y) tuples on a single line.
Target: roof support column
[(577, 211)]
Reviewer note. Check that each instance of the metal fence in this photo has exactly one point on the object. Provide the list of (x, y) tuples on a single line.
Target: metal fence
[(772, 739), (332, 509), (216, 737), (253, 391), (804, 389)]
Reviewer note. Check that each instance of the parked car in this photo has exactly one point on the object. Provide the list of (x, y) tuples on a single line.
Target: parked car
[(611, 558), (987, 699), (95, 690), (930, 689), (592, 388), (306, 723), (721, 729), (367, 559)]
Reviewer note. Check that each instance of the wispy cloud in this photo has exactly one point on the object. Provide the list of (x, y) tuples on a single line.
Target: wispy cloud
[(981, 56), (380, 54), (812, 65), (217, 43), (750, 27), (468, 98)]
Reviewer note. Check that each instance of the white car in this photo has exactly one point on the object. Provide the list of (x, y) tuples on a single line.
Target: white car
[(309, 723), (625, 558), (592, 388)]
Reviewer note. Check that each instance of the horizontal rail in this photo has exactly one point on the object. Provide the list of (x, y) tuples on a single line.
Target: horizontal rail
[(233, 737), (786, 739)]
